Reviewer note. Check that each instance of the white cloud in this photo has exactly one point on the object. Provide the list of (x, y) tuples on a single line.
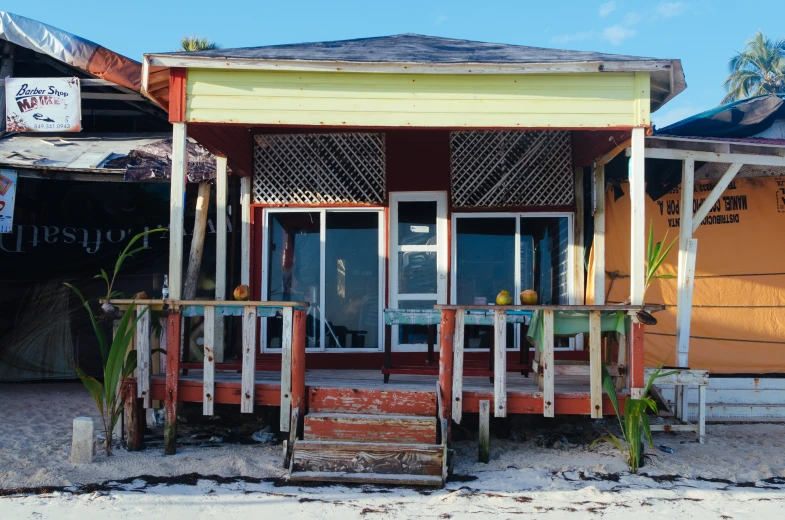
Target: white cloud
[(631, 18), (574, 37), (670, 9), (616, 34), (440, 20), (607, 8)]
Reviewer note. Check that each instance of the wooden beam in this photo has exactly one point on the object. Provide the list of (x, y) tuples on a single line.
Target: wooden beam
[(299, 404), (6, 70), (578, 245), (595, 364), (249, 359), (636, 376), (485, 431), (176, 209), (457, 374), (638, 217), (61, 175), (245, 227), (221, 194), (286, 370), (685, 288), (178, 77), (732, 158), (208, 400), (143, 355), (173, 322), (499, 364), (107, 96), (446, 341), (197, 242), (701, 414), (685, 235), (599, 235), (714, 196), (134, 418), (548, 386)]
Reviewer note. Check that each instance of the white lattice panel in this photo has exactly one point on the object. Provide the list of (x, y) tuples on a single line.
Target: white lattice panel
[(511, 168), (319, 169)]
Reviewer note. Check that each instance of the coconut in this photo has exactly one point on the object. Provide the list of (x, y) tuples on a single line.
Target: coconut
[(504, 298), (528, 297)]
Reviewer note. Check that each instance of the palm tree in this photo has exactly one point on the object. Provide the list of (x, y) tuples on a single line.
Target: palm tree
[(196, 43), (758, 70)]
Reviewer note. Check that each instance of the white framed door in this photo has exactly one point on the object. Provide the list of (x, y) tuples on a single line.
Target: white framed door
[(418, 259), (333, 258)]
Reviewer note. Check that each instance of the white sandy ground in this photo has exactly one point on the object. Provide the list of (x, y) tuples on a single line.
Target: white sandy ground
[(522, 478)]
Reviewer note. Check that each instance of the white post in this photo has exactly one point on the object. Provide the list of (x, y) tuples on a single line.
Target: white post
[(685, 235), (599, 235), (637, 217), (578, 239), (499, 364), (83, 441), (245, 218), (176, 204), (220, 250)]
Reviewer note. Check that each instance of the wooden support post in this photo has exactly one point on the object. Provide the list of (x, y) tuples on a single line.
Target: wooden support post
[(387, 350), (134, 418), (446, 342), (176, 208), (457, 372), (286, 370), (173, 327), (635, 366), (595, 363), (637, 218), (6, 70), (249, 359), (197, 242), (548, 385), (144, 358), (621, 359), (685, 235), (245, 228), (578, 244), (221, 193), (701, 413), (599, 235), (485, 431), (500, 364), (714, 196), (208, 399), (298, 363)]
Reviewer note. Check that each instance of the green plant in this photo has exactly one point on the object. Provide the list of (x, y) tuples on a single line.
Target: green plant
[(118, 362), (634, 423), (655, 256), (196, 43), (758, 70)]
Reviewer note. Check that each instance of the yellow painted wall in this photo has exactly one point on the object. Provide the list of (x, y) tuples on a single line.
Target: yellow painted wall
[(417, 100)]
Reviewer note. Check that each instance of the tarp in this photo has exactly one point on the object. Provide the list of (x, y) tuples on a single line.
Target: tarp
[(744, 118), (71, 49), (738, 316)]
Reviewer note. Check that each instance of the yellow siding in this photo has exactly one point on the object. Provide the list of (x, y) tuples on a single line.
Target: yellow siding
[(417, 100)]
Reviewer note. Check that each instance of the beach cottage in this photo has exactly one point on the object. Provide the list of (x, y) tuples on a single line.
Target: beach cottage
[(391, 188)]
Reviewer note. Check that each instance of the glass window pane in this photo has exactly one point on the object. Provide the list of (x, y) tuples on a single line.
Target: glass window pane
[(352, 280), (293, 267), (414, 334), (485, 258), (417, 223), (417, 273), (544, 259)]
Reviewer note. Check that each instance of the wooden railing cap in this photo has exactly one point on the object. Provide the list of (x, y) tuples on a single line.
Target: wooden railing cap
[(628, 308)]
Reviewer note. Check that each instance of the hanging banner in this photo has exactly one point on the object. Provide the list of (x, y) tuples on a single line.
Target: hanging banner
[(7, 197), (43, 105)]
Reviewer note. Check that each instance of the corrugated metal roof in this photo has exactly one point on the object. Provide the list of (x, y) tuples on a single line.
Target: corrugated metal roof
[(759, 141)]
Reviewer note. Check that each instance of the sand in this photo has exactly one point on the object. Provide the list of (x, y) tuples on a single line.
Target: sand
[(738, 473)]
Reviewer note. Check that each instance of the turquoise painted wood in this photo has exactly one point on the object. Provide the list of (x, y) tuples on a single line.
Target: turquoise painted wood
[(434, 317), (191, 311)]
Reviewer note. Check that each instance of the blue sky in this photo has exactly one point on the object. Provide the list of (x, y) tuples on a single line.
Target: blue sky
[(704, 34)]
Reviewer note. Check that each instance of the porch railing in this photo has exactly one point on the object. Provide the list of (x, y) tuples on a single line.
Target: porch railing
[(292, 352), (454, 319)]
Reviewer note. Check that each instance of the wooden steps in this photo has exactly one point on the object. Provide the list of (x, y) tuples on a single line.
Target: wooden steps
[(370, 428), (396, 443)]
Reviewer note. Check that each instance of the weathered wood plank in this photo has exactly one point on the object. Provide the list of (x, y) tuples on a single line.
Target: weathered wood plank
[(291, 445), (176, 197), (221, 196), (372, 401), (286, 370), (485, 431), (457, 373), (548, 384), (637, 217), (701, 414), (245, 230), (173, 325), (197, 241), (134, 418), (368, 478), (143, 353), (599, 235), (682, 377), (370, 428), (635, 366), (685, 287), (500, 364), (249, 360), (531, 308), (298, 361), (674, 428), (208, 403), (595, 364), (353, 457), (446, 341), (579, 284)]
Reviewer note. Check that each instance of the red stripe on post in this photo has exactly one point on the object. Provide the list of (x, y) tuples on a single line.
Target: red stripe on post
[(177, 82), (173, 322), (447, 331), (298, 361), (636, 356)]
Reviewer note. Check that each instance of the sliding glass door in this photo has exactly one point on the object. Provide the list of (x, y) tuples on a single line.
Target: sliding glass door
[(496, 251), (333, 259)]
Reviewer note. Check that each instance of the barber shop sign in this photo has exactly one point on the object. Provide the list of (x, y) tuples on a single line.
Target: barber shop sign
[(43, 105)]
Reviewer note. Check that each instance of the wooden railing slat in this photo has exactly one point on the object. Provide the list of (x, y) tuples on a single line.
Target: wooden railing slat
[(286, 371), (249, 360), (457, 374), (208, 399), (500, 364), (595, 363), (548, 389), (143, 355)]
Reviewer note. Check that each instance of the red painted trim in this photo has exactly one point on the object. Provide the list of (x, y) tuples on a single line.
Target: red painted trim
[(171, 396), (225, 393), (177, 82), (636, 356), (351, 400), (446, 337), (298, 362)]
